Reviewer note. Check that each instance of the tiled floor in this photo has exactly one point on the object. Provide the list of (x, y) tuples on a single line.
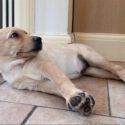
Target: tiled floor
[(28, 107)]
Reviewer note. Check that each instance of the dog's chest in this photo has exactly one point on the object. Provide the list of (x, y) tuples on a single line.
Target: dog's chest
[(33, 73), (11, 75), (19, 72)]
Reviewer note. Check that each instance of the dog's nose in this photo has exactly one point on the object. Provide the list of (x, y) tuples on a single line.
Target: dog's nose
[(38, 43), (37, 39)]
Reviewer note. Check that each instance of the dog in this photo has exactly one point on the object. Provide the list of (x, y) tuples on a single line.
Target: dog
[(28, 63)]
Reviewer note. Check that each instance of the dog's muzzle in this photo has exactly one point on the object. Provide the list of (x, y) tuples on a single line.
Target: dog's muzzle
[(38, 43)]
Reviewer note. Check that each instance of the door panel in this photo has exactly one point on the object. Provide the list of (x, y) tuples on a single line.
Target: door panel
[(99, 16)]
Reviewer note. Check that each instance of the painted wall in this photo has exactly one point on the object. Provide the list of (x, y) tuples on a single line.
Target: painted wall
[(52, 17)]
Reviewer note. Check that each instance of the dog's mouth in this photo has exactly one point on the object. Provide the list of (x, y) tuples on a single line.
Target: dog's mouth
[(32, 52)]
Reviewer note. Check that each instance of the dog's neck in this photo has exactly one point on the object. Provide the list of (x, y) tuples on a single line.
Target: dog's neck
[(10, 62)]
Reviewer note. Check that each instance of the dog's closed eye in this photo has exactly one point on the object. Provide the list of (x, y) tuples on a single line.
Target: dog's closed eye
[(14, 35)]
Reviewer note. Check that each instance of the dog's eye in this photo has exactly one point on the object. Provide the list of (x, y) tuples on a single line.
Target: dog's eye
[(14, 35)]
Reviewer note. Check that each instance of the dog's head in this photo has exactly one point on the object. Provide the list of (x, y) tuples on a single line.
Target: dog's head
[(15, 42)]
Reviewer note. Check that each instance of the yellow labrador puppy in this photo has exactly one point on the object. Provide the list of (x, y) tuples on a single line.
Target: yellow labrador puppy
[(27, 63)]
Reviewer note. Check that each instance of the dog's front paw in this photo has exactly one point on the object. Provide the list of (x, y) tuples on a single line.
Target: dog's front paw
[(82, 102)]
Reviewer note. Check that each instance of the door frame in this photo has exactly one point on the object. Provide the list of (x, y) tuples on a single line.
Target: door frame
[(25, 16)]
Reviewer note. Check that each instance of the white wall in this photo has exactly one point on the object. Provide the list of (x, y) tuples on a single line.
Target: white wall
[(24, 14), (52, 17)]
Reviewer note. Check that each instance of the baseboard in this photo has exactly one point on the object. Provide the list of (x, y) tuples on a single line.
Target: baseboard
[(111, 46)]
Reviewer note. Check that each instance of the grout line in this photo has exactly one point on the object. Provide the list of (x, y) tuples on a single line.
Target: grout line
[(110, 116), (108, 95), (29, 115), (37, 106)]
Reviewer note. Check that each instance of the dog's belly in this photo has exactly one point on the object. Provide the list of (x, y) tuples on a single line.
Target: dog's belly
[(71, 66), (68, 60)]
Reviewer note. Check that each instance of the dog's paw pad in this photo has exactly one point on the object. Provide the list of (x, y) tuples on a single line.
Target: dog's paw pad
[(87, 107), (82, 102), (76, 101)]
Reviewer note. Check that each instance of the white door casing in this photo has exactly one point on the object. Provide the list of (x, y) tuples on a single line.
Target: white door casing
[(25, 14), (51, 19)]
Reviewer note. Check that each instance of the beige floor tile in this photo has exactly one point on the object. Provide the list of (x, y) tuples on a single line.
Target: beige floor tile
[(98, 89), (7, 93), (11, 113), (117, 98), (53, 116)]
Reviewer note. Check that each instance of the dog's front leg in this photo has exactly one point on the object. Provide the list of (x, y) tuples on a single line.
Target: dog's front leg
[(75, 98)]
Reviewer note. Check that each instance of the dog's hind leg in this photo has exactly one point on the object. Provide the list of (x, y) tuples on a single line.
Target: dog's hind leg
[(94, 71), (100, 73), (96, 60)]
